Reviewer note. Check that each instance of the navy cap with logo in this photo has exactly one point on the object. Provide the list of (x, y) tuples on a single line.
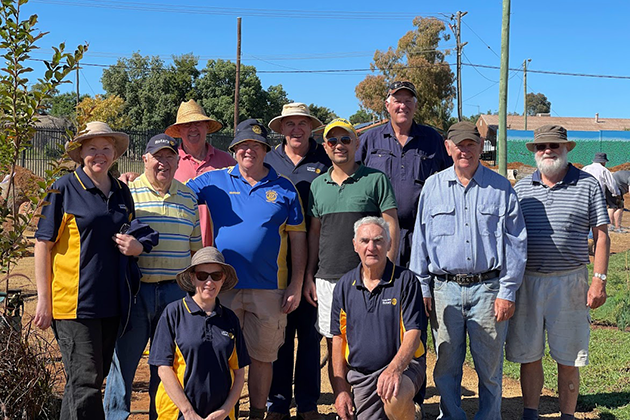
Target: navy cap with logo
[(396, 86), (250, 129), (159, 142)]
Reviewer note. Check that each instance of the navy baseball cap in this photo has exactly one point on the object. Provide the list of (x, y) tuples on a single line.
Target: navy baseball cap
[(250, 129), (159, 142)]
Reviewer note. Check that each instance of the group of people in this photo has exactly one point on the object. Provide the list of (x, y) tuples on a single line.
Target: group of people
[(360, 240)]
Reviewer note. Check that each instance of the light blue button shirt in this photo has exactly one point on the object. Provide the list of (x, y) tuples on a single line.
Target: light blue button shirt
[(469, 230)]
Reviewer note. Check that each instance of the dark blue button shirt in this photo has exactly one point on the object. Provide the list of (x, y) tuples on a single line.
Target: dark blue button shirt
[(406, 166)]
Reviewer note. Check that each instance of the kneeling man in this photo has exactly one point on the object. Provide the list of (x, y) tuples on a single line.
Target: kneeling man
[(377, 320)]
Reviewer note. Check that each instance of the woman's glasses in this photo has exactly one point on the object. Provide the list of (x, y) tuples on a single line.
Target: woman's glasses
[(214, 276)]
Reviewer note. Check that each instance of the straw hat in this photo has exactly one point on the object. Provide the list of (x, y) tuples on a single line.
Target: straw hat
[(97, 129), (295, 109), (191, 112), (207, 255)]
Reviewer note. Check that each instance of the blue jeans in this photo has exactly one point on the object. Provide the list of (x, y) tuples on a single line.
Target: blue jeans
[(307, 369), (460, 310), (145, 314)]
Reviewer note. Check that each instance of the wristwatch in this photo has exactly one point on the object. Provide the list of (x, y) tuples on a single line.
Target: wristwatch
[(600, 276)]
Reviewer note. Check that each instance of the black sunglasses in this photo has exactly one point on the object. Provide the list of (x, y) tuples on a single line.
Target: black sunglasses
[(332, 142), (397, 85), (214, 276), (544, 146)]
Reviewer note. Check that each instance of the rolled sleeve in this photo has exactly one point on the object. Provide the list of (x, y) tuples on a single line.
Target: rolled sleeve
[(515, 249)]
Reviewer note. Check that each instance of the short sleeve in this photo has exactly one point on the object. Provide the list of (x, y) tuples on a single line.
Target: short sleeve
[(51, 220), (295, 219), (412, 305), (338, 313), (163, 342), (386, 197)]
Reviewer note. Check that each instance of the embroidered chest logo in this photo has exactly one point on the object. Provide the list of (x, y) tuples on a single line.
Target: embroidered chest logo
[(390, 301), (272, 196), (227, 334)]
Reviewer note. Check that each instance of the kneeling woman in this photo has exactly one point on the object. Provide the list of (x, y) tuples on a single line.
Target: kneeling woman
[(198, 345)]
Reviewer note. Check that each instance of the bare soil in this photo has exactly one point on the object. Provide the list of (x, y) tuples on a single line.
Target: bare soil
[(512, 403)]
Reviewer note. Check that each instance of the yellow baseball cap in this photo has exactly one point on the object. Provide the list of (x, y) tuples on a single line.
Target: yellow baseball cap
[(341, 123)]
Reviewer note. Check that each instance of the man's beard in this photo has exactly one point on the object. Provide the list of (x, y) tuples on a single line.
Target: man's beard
[(554, 167)]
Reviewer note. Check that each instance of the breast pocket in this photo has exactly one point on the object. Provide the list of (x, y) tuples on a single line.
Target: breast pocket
[(442, 220), (381, 159), (489, 219)]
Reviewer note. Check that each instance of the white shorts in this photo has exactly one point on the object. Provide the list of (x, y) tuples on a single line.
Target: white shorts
[(555, 302), (324, 290)]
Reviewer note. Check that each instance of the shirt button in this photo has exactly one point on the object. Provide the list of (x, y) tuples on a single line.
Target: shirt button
[(467, 242), (466, 224), (468, 259)]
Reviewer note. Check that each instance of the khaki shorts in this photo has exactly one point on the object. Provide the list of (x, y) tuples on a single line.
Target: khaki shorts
[(325, 289), (262, 320), (555, 302)]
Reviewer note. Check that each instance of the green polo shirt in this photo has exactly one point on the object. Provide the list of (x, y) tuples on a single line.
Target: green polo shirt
[(367, 192)]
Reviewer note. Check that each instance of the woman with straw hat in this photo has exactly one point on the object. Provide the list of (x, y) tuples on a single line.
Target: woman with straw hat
[(198, 345), (80, 239)]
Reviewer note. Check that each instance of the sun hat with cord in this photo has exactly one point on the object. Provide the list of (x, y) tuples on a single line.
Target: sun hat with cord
[(550, 134), (190, 112), (207, 255), (294, 109), (97, 129)]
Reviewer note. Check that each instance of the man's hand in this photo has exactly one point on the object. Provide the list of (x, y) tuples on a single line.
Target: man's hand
[(503, 309), (127, 177), (309, 290), (388, 383), (428, 305), (128, 245), (43, 313), (344, 406), (291, 298), (596, 296)]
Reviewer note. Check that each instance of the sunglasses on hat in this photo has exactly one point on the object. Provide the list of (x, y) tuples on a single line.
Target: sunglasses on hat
[(398, 85), (332, 142), (214, 276)]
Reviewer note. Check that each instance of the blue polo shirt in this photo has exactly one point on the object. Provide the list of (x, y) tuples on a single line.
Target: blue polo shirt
[(302, 174), (203, 350), (251, 224), (407, 166), (373, 323), (81, 222)]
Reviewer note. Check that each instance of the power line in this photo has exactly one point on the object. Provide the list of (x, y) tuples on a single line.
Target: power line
[(485, 43), (232, 11)]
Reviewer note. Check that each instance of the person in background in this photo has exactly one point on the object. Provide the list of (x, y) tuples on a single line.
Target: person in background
[(622, 178), (606, 181), (80, 241)]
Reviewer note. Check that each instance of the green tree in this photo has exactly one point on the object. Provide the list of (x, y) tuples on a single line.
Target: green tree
[(216, 88), (324, 114), (64, 104), (417, 59), (362, 116), (537, 103)]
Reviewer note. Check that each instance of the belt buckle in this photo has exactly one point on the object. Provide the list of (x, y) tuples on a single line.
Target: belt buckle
[(462, 278)]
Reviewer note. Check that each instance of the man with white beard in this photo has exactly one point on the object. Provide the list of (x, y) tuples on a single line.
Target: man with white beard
[(560, 204)]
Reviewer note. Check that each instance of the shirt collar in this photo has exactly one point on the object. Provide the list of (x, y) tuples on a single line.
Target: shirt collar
[(144, 181), (194, 309), (352, 178), (478, 176), (184, 155), (386, 279), (235, 172), (389, 129), (87, 183), (312, 146)]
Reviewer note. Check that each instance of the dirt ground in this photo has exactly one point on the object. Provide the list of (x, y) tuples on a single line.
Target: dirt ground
[(512, 404)]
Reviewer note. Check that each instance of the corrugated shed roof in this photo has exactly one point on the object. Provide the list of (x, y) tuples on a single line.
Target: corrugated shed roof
[(515, 122)]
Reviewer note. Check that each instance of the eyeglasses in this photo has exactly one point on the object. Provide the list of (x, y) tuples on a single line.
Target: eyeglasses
[(332, 142), (544, 146), (214, 276)]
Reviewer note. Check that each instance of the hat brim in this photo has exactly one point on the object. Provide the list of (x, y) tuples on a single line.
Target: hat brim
[(185, 281), (276, 123), (239, 141), (121, 143), (531, 146), (413, 92), (213, 125), (343, 127)]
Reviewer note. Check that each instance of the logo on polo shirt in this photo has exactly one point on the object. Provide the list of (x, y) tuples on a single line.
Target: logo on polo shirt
[(390, 301), (313, 169), (227, 334), (235, 192), (272, 196)]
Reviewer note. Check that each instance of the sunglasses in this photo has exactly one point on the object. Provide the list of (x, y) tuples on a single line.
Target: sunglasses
[(214, 276), (544, 146), (398, 85), (332, 142)]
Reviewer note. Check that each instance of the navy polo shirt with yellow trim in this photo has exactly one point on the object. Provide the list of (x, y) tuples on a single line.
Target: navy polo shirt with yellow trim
[(251, 223), (373, 323), (203, 350), (81, 222)]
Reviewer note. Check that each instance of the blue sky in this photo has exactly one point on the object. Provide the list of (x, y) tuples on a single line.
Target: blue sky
[(557, 35)]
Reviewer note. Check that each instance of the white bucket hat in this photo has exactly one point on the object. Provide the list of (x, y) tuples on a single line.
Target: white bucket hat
[(295, 109)]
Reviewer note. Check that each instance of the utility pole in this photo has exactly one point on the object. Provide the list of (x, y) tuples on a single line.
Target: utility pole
[(78, 83), (238, 71), (457, 29), (525, 92), (503, 90)]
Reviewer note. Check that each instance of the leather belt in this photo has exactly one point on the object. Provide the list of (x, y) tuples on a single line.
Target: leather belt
[(465, 279)]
